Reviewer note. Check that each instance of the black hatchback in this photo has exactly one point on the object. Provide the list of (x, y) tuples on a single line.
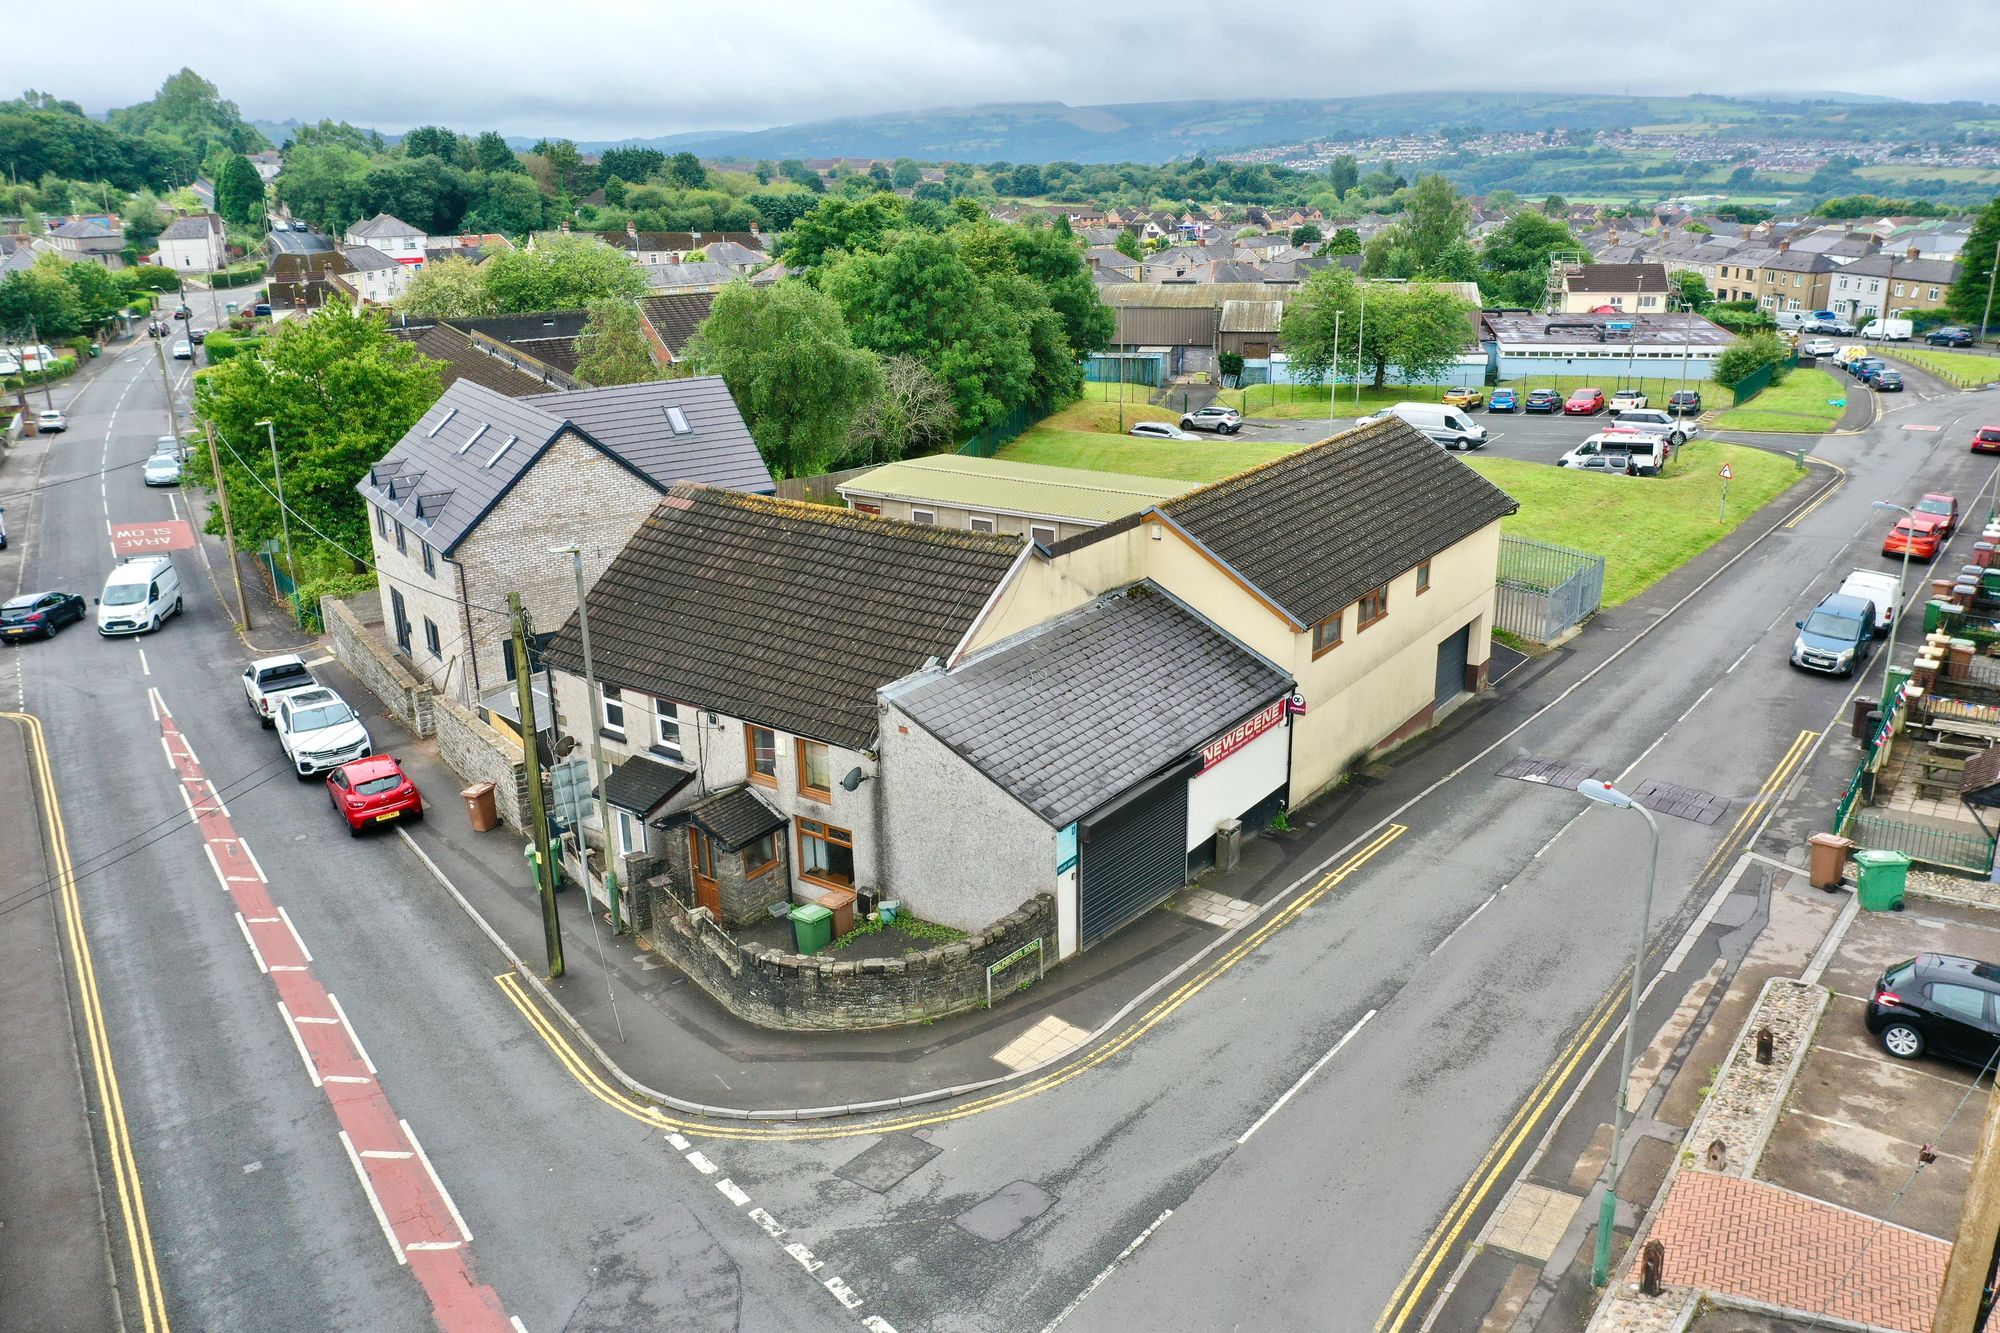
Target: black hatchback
[(39, 614), (1940, 1004), (1685, 403)]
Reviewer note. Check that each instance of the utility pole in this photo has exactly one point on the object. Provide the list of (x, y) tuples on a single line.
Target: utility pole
[(1960, 1300), (598, 773), (228, 528), (531, 765), (167, 384), (1991, 273), (1333, 389), (284, 515)]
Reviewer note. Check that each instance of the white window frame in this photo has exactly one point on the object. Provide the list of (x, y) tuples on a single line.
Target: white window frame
[(628, 845), (974, 522), (1037, 531), (611, 708), (924, 517), (667, 715)]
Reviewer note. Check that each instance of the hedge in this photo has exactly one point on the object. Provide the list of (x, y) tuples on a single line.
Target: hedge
[(220, 346), (65, 367), (243, 275)]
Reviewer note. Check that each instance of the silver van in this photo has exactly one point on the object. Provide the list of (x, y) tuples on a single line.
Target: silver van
[(1447, 425), (138, 596)]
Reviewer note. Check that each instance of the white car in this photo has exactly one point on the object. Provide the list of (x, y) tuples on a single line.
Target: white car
[(1818, 347), (1881, 590), (163, 470), (318, 731), (183, 350), (1160, 430), (1675, 430), (50, 420)]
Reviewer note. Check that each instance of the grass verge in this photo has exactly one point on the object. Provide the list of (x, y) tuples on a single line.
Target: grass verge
[(1180, 460), (1799, 406), (1960, 368), (1281, 401)]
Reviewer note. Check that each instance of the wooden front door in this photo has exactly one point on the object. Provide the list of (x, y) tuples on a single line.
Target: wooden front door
[(701, 870)]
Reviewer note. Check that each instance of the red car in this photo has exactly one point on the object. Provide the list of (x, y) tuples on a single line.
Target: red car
[(1986, 440), (1921, 536), (1584, 403), (374, 790), (1943, 508)]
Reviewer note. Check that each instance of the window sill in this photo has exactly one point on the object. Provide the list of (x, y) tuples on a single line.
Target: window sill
[(1322, 652), (1368, 623), (825, 883), (759, 780), (823, 796), (606, 733), (672, 756), (760, 871)]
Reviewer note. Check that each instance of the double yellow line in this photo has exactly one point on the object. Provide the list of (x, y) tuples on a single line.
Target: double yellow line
[(124, 1165), (1746, 822), (598, 1086)]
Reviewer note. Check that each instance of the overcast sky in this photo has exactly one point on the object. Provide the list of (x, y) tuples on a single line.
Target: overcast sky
[(627, 68)]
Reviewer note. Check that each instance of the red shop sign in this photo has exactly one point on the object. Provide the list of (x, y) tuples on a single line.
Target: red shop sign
[(1229, 742)]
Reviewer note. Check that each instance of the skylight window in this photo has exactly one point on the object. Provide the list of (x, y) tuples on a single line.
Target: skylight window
[(473, 438), (443, 421), (678, 420), (509, 444)]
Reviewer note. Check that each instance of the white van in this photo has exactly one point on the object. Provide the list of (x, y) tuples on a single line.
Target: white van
[(1447, 425), (1888, 330), (138, 596), (1883, 591), (1633, 453), (1793, 320)]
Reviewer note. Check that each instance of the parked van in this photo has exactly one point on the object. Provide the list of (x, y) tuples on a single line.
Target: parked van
[(138, 596), (1633, 453), (1792, 321), (1888, 330), (1880, 590), (1447, 425)]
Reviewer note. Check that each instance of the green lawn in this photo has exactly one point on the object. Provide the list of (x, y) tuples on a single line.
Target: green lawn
[(1645, 527), (1181, 460), (1281, 401), (1799, 406), (1961, 368)]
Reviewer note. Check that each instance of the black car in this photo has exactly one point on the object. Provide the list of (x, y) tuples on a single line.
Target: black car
[(1543, 400), (197, 336), (39, 614), (1685, 403), (1888, 381), (1949, 336), (183, 313), (1940, 1004)]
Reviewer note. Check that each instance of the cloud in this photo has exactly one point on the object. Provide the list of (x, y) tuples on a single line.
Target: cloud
[(627, 68)]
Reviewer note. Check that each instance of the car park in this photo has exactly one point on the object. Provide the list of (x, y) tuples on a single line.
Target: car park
[(1627, 400), (1941, 507), (1684, 403), (1918, 536), (1465, 397), (139, 594), (162, 470), (267, 678), (1986, 440), (1940, 1005), (1447, 425), (1160, 430), (1503, 400), (1836, 638), (1949, 336), (1584, 403), (39, 614), (372, 791), (51, 421), (1656, 421), (318, 731), (1543, 400), (1819, 347), (1887, 381), (1222, 420)]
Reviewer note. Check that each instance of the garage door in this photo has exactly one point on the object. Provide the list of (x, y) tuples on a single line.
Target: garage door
[(1132, 858), (1451, 667)]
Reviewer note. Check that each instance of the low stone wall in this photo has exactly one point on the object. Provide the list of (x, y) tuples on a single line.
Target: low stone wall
[(478, 753), (828, 992), (364, 653)]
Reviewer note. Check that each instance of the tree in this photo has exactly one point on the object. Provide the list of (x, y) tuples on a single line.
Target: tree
[(778, 211), (568, 172), (910, 414), (239, 190), (503, 201), (799, 173), (427, 194), (1516, 258), (1306, 233), (1554, 204), (334, 387), (491, 153), (324, 184), (188, 111), (1344, 241), (560, 273), (1433, 218), (434, 141), (631, 165), (99, 294), (793, 368), (1746, 356), (612, 348), (450, 288), (41, 296), (1053, 259), (905, 174), (1967, 298), (879, 176), (1127, 244), (686, 171), (1691, 288), (1343, 174), (1417, 328), (841, 224)]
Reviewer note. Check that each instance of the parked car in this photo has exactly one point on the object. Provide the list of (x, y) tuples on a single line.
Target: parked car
[(1631, 453), (265, 679), (1543, 400), (51, 421), (1627, 400), (1836, 637), (1835, 328), (1880, 589), (1160, 430), (1943, 508), (182, 312), (1503, 400), (1448, 426), (197, 336), (1685, 403), (1939, 1004), (373, 791), (1861, 367), (183, 350), (1464, 397), (139, 594), (1949, 336), (1819, 347), (1656, 421), (168, 446), (1584, 403), (1986, 440), (157, 329), (318, 731), (39, 614), (1888, 381), (262, 309), (162, 470), (1222, 420), (299, 224), (1919, 535)]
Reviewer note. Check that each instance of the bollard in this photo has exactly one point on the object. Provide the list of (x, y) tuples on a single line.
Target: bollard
[(1718, 1156), (1766, 1046), (1652, 1268)]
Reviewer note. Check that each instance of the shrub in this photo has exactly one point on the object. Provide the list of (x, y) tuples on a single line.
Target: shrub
[(221, 346), (1746, 356)]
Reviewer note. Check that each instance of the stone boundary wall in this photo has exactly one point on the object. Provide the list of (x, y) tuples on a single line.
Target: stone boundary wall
[(479, 753), (827, 992), (408, 699)]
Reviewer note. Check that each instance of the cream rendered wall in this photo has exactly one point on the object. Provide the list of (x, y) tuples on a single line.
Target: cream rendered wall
[(956, 516)]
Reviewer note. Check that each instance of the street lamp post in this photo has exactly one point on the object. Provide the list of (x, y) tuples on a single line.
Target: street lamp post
[(284, 516), (1603, 793), (1902, 579)]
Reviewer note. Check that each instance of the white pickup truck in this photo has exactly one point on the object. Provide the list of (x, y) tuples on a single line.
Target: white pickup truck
[(268, 677)]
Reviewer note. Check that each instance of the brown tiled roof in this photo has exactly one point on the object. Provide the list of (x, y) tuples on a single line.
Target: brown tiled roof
[(676, 316), (1316, 529), (462, 361), (782, 613)]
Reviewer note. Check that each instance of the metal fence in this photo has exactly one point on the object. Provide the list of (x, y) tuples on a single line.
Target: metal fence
[(1760, 379), (1924, 842), (305, 613), (1545, 589), (987, 442)]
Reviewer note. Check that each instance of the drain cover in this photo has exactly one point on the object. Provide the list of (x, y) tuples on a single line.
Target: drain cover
[(887, 1163), (1680, 802), (1009, 1209), (1548, 772)]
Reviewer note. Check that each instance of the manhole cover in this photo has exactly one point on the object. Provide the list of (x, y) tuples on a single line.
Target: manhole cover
[(1563, 773), (1680, 802), (888, 1163), (1011, 1208)]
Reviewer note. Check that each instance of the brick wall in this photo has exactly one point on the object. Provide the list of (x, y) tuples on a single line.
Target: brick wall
[(358, 646), (478, 753), (828, 992)]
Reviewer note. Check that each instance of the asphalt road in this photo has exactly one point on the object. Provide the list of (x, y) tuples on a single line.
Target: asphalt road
[(579, 1218)]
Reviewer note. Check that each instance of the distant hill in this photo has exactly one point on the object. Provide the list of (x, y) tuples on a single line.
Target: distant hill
[(1161, 131)]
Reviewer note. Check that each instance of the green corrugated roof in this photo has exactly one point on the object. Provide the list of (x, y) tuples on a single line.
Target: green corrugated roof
[(1024, 488)]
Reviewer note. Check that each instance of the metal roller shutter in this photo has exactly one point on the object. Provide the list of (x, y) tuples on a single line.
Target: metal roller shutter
[(1452, 655), (1132, 858)]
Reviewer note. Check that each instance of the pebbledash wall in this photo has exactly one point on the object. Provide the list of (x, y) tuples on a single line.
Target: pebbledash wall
[(826, 992)]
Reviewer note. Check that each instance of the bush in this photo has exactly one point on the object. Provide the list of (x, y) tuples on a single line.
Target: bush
[(149, 278), (220, 346), (64, 367), (241, 275), (1746, 356)]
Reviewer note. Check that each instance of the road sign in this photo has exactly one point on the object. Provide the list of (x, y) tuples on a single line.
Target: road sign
[(1725, 473), (151, 538)]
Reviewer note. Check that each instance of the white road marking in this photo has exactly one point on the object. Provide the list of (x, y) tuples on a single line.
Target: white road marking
[(731, 1192), (519, 1327), (286, 917), (215, 865), (255, 952), (251, 857), (1098, 1281), (679, 1144), (431, 1171), (373, 1202), (352, 1035), (387, 1154), (842, 1292), (701, 1163), (158, 704), (1559, 832), (300, 1042), (1468, 920), (144, 670), (435, 1245), (1306, 1077), (321, 660), (767, 1222)]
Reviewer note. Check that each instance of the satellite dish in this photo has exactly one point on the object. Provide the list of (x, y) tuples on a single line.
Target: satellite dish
[(566, 747)]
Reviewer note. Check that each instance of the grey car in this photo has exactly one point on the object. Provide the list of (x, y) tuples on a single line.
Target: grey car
[(1215, 417), (163, 470)]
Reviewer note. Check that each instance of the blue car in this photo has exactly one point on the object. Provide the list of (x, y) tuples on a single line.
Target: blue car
[(1836, 637), (1543, 400), (1503, 400)]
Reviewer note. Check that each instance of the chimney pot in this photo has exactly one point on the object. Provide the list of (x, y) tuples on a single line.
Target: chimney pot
[(1784, 245), (1913, 252)]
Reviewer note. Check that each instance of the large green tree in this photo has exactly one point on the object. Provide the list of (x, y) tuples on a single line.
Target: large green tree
[(189, 110), (631, 165), (1417, 328), (325, 184), (451, 288), (338, 390), (1516, 258), (613, 349), (1343, 173), (841, 224), (491, 153), (239, 190), (793, 368), (41, 298), (1968, 296), (1434, 218), (562, 272)]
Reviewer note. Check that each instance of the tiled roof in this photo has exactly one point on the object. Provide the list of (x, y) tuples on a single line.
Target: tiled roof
[(786, 614), (366, 258), (735, 817), (635, 422), (640, 784), (549, 335), (442, 342), (382, 224), (1001, 484), (1076, 711), (84, 230), (700, 274), (188, 229), (1617, 278), (1904, 269), (676, 315), (1314, 530)]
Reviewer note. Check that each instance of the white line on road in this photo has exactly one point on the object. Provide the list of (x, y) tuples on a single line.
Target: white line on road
[(1559, 832), (1468, 920), (144, 670), (251, 857), (387, 1154), (1304, 1078), (299, 1041), (436, 1183), (352, 1035), (373, 1201), (731, 1192), (1098, 1281), (255, 952), (286, 917), (701, 1163)]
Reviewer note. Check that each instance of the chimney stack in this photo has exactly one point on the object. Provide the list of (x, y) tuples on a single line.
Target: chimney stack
[(631, 229), (1784, 244), (1913, 252)]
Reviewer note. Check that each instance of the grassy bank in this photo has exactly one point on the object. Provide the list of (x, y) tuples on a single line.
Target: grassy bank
[(1799, 406), (1960, 368), (1181, 460)]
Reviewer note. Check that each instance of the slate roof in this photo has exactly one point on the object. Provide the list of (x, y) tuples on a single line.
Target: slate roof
[(701, 274), (632, 421), (734, 817), (549, 335), (84, 230), (786, 614), (676, 315), (1076, 711), (188, 229), (463, 361), (1902, 269), (364, 258), (1314, 530), (641, 784), (1617, 278), (383, 224), (1003, 485)]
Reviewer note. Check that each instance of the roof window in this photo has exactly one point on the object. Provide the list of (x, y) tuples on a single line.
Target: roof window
[(678, 420), (508, 444), (473, 438)]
